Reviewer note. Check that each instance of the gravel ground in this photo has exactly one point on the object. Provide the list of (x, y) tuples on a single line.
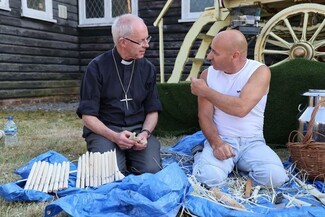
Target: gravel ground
[(60, 106)]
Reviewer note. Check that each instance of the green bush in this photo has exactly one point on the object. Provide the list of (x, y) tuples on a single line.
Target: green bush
[(179, 115), (289, 81)]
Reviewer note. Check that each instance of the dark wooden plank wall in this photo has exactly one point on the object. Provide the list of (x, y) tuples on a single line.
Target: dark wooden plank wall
[(42, 59), (39, 58)]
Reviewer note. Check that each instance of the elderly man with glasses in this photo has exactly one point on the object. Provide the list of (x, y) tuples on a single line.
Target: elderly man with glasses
[(119, 102)]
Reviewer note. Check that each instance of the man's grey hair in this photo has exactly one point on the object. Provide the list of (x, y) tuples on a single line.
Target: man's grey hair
[(123, 26)]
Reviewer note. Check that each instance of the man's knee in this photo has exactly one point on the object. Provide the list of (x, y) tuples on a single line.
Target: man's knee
[(270, 175), (209, 175), (146, 167), (97, 143)]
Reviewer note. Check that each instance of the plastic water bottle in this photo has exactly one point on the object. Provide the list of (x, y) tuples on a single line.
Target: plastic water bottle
[(11, 132)]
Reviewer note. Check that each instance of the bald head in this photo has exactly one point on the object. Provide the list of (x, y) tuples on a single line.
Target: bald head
[(125, 25), (232, 40)]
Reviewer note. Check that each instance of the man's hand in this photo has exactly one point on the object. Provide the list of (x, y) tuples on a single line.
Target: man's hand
[(140, 139), (124, 140), (223, 151), (198, 86)]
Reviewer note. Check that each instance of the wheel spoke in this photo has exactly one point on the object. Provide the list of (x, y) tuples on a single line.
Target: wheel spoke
[(284, 42), (319, 44), (319, 29), (293, 34), (282, 61), (304, 27), (276, 43), (319, 54), (286, 52)]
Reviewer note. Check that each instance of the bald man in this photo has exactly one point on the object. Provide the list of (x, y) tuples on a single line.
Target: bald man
[(232, 95)]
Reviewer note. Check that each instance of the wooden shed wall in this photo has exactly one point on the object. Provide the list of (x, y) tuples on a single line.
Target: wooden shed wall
[(43, 59), (39, 58)]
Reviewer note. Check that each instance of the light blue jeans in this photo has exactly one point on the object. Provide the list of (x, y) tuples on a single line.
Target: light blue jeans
[(253, 156)]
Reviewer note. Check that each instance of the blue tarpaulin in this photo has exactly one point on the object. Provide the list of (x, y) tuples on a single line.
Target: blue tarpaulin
[(160, 194)]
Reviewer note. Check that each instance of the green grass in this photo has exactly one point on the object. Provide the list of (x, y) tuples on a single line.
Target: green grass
[(39, 131)]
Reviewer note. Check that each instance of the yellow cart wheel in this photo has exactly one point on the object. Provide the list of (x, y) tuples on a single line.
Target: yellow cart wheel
[(295, 32)]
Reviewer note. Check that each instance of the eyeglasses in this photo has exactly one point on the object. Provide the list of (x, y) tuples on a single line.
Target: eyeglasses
[(142, 43)]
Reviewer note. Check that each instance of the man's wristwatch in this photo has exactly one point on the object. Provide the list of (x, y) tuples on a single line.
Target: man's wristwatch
[(147, 131)]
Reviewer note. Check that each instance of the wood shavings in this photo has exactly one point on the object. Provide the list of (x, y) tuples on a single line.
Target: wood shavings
[(248, 187), (135, 138), (226, 199), (311, 190), (295, 201)]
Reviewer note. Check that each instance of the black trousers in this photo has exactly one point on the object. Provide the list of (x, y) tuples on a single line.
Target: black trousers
[(129, 161)]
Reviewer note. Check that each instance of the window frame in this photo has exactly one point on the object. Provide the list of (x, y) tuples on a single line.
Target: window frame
[(46, 15), (186, 15), (107, 20), (4, 5)]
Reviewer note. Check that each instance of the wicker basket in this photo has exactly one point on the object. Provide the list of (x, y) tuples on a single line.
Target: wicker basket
[(307, 154)]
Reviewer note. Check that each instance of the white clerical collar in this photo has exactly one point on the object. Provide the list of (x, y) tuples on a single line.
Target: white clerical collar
[(124, 62)]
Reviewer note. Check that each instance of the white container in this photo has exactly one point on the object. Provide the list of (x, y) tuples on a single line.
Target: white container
[(315, 96)]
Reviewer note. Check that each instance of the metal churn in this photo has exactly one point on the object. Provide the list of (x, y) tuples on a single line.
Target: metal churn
[(315, 96)]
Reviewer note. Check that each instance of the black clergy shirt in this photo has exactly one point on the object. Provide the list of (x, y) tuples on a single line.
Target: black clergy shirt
[(101, 92)]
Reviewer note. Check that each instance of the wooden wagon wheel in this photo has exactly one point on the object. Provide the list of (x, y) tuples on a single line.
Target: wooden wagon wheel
[(295, 32)]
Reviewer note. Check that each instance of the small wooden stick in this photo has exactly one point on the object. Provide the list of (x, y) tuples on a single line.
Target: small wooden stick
[(43, 176), (39, 176), (134, 136), (103, 171), (38, 166), (57, 178), (95, 169), (98, 169), (106, 167), (66, 175), (87, 169), (61, 178), (91, 169), (48, 178), (111, 166), (78, 173), (248, 187), (226, 199), (30, 176), (295, 201), (118, 174), (104, 174), (83, 171), (52, 180), (255, 192)]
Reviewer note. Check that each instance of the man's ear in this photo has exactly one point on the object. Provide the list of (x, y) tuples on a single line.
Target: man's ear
[(236, 54), (122, 42)]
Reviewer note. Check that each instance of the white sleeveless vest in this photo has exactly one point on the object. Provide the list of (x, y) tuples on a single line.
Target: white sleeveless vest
[(231, 84)]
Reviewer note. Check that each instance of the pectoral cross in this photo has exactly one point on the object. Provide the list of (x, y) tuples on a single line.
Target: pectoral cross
[(126, 99)]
